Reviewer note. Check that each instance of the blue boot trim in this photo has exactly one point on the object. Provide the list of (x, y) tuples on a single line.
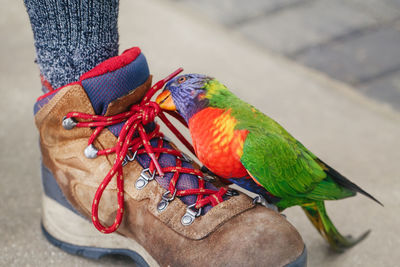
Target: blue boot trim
[(301, 261), (52, 190)]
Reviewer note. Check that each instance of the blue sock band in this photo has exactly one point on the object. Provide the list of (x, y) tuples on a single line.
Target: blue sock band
[(72, 36)]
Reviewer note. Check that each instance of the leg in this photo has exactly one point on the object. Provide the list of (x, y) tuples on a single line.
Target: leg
[(72, 37)]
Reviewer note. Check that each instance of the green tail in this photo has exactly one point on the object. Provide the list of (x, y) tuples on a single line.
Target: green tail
[(316, 212)]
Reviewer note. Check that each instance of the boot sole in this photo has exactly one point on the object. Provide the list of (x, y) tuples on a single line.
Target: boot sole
[(76, 235)]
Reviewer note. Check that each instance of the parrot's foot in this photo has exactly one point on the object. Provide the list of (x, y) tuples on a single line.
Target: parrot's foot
[(262, 201), (209, 175), (232, 192), (204, 169)]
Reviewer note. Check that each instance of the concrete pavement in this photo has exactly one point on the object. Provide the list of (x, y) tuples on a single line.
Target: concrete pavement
[(355, 41), (354, 134)]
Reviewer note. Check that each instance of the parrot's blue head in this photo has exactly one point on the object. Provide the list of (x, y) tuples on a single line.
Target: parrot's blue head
[(185, 94)]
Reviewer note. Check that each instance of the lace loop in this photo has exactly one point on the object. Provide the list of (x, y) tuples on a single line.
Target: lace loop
[(134, 121)]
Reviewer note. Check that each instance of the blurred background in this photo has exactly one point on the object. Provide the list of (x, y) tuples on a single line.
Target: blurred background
[(327, 70), (354, 41)]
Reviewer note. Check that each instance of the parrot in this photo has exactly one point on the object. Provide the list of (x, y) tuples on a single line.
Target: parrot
[(242, 145)]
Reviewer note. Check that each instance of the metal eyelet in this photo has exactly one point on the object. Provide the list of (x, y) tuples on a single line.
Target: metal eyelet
[(190, 215), (163, 204), (90, 151), (129, 158), (68, 123), (145, 177)]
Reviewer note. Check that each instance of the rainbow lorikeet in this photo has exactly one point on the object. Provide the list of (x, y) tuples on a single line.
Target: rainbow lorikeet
[(237, 142)]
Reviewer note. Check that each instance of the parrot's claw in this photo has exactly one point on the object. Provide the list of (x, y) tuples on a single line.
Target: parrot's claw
[(204, 169), (210, 177), (232, 192), (262, 201)]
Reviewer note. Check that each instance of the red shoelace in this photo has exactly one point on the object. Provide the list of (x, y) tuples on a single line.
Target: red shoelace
[(135, 119)]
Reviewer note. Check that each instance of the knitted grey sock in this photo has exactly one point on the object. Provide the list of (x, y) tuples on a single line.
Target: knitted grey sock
[(72, 36)]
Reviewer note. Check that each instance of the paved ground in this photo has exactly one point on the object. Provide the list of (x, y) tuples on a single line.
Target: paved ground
[(353, 134), (355, 41)]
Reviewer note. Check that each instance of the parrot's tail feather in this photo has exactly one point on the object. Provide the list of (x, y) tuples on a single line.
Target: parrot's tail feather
[(343, 181), (319, 218)]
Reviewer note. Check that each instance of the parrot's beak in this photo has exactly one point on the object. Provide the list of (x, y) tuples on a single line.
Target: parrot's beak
[(165, 101)]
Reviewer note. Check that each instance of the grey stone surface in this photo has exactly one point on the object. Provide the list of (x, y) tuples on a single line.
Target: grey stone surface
[(386, 89), (355, 41), (232, 12), (381, 10), (296, 28), (359, 138), (395, 3), (359, 59)]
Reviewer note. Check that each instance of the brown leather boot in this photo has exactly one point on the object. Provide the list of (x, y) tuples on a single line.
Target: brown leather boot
[(101, 152)]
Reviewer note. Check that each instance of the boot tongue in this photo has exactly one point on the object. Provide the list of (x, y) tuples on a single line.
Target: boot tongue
[(117, 83), (112, 87)]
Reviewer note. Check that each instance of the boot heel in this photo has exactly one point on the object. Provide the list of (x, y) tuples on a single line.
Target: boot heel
[(76, 235)]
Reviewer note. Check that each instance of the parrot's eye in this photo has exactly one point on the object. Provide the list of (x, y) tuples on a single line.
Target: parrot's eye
[(182, 79)]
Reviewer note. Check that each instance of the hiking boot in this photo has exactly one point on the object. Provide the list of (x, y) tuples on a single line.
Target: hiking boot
[(113, 184)]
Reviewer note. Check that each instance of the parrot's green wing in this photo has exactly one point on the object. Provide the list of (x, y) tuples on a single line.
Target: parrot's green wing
[(285, 168), (273, 157)]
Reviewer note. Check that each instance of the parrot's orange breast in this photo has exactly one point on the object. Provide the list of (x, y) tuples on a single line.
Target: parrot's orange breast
[(216, 142)]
